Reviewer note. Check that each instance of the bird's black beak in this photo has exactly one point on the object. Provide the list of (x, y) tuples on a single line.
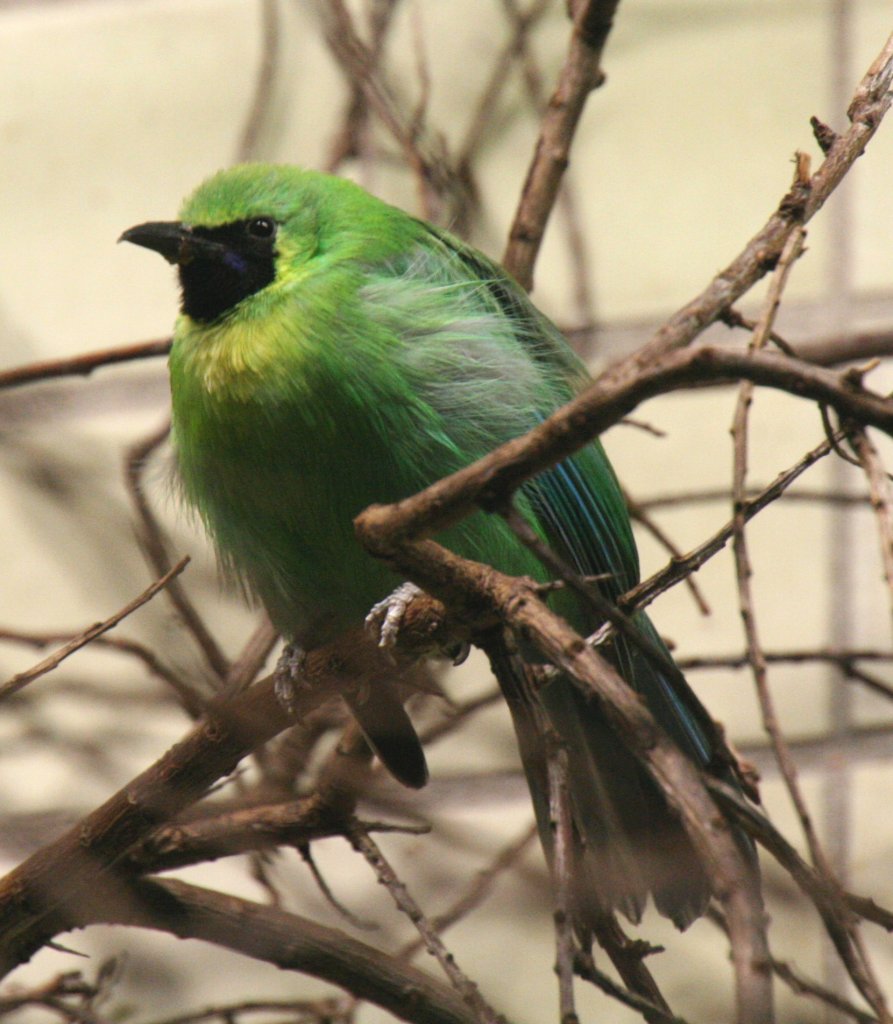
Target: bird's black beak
[(175, 241), (218, 266), (169, 238)]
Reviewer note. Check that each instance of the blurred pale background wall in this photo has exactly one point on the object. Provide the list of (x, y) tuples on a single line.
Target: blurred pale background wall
[(111, 110)]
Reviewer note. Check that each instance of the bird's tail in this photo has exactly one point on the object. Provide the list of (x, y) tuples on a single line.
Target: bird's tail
[(628, 842)]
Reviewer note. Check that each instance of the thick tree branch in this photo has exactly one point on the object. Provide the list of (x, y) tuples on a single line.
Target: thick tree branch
[(469, 588), (490, 480), (41, 897), (286, 940)]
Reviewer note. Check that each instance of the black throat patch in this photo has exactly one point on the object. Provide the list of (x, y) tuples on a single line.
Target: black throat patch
[(225, 265)]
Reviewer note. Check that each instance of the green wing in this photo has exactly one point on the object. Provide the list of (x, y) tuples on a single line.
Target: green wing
[(580, 510)]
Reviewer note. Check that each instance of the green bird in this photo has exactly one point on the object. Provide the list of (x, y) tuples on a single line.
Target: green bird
[(332, 352)]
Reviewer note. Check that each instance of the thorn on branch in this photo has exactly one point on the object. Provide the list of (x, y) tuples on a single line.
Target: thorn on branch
[(793, 204), (854, 377), (825, 136)]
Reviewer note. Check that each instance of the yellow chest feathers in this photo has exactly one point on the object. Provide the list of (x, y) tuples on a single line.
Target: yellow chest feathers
[(237, 355)]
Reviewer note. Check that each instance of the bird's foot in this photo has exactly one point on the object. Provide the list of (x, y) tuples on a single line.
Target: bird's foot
[(386, 617), (288, 676), (385, 620)]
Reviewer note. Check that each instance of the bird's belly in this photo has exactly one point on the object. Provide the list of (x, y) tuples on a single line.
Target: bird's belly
[(287, 537)]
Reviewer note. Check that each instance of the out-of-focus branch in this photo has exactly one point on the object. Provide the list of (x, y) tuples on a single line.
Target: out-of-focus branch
[(125, 645), (263, 88), (155, 547), (348, 141), (848, 348), (359, 62), (82, 365), (881, 492), (81, 640)]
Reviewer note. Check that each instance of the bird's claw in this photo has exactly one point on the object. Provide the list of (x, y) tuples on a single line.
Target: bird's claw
[(385, 621), (386, 617), (457, 651), (287, 678)]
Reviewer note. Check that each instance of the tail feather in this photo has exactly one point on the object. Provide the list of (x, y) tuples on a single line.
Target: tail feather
[(389, 731), (628, 841)]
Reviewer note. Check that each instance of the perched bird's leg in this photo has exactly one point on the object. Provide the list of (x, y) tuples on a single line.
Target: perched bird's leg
[(289, 669), (385, 620), (370, 688)]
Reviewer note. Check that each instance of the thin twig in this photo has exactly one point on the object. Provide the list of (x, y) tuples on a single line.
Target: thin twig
[(641, 516), (458, 714), (480, 887), (522, 22), (562, 828), (22, 679), (791, 252), (649, 589), (881, 492), (253, 656), (835, 907), (328, 895), (263, 87), (471, 996), (192, 701), (802, 985), (723, 495), (156, 549), (328, 1010), (852, 953), (871, 102), (651, 1011), (83, 365)]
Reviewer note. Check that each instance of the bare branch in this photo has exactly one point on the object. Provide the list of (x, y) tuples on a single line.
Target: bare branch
[(881, 498), (22, 679), (155, 548), (580, 74), (287, 940), (83, 365), (471, 996), (491, 479), (561, 825), (42, 896), (266, 75)]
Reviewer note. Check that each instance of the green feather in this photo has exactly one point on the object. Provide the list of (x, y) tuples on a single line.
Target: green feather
[(381, 355)]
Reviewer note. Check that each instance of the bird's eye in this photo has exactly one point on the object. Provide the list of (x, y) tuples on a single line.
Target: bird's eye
[(261, 227)]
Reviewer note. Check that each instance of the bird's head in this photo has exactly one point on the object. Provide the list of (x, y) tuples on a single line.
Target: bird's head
[(245, 231)]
